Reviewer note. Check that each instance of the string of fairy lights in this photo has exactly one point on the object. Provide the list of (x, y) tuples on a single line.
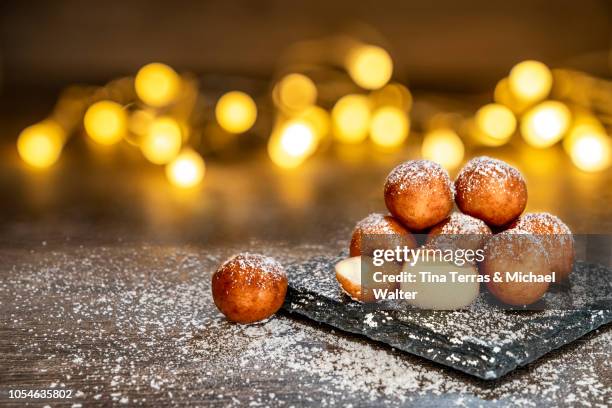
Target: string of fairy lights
[(154, 111)]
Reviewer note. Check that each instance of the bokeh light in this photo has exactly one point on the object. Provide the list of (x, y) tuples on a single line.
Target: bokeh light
[(495, 123), (294, 93), (236, 112), (530, 81), (163, 140), (389, 126), (351, 118), (369, 66), (591, 151), (40, 145), (545, 124), (393, 94), (319, 120), (186, 170), (503, 96), (443, 146), (583, 122), (105, 122), (140, 120), (292, 144), (298, 139), (157, 84)]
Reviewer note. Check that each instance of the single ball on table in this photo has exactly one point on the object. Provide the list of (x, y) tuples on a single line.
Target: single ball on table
[(249, 287), (381, 232), (459, 231), (515, 251), (491, 190), (419, 193), (555, 236)]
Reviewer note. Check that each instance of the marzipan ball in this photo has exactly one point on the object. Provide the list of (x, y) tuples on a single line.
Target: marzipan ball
[(491, 190), (459, 231), (453, 293), (381, 232), (249, 287), (515, 251), (356, 278), (419, 193), (555, 236)]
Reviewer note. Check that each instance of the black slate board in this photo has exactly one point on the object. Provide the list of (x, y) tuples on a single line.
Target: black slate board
[(486, 342)]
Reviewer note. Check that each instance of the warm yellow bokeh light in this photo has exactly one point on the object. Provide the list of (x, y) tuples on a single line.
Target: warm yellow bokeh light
[(157, 84), (292, 144), (298, 139), (443, 146), (530, 81), (280, 157), (163, 140), (236, 112), (351, 118), (394, 94), (545, 124), (369, 66), (583, 122), (502, 95), (591, 151), (186, 170), (40, 145), (319, 120), (389, 126), (105, 122), (294, 93), (496, 124), (140, 120)]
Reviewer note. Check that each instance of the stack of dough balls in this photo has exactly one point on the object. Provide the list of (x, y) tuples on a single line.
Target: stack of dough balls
[(490, 195)]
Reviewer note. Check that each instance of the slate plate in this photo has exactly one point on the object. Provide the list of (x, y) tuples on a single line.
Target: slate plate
[(485, 342)]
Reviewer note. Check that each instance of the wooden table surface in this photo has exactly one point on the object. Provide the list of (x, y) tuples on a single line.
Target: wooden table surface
[(104, 286)]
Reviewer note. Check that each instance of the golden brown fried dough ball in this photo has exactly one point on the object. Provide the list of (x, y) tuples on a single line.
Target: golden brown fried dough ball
[(382, 231), (462, 230), (249, 287), (555, 236), (515, 251), (419, 194), (491, 190)]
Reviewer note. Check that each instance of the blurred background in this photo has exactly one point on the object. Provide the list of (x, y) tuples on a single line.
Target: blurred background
[(436, 44), (222, 121)]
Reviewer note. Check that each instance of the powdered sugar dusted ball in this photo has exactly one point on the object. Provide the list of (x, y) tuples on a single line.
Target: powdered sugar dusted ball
[(249, 287), (419, 193), (381, 232), (459, 223), (515, 251), (491, 190), (555, 236), (461, 230)]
